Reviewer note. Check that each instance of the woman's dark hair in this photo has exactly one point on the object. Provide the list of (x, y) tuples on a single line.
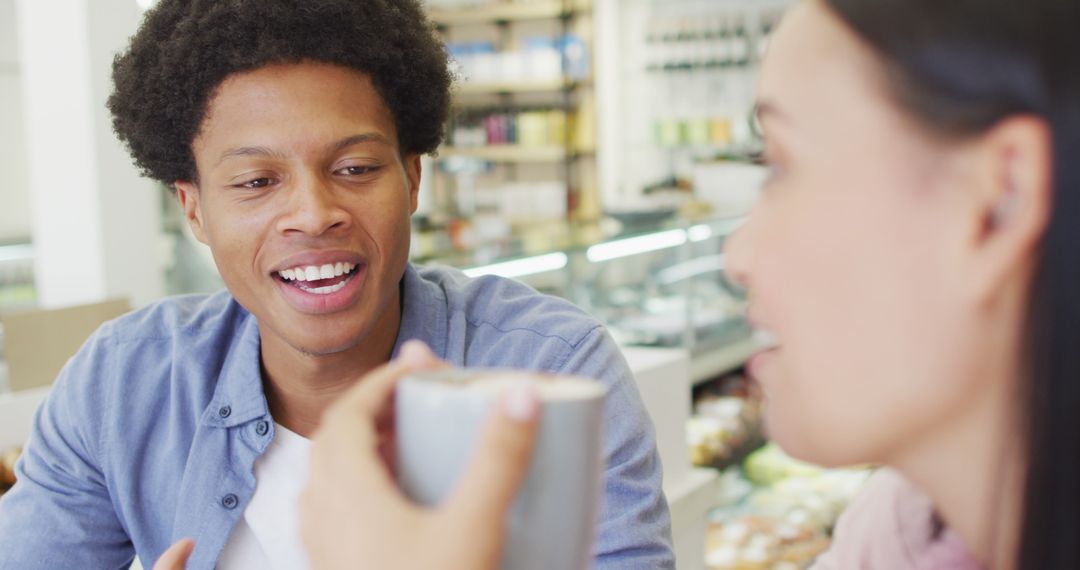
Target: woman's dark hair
[(184, 49), (960, 67)]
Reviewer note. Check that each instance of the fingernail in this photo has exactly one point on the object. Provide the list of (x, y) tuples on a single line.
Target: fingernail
[(415, 352), (521, 403)]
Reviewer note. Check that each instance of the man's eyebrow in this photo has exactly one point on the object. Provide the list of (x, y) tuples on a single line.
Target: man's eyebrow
[(337, 146), (360, 139), (248, 151)]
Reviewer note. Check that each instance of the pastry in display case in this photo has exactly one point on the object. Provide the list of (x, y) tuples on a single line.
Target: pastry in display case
[(7, 468), (763, 543), (726, 425), (779, 512)]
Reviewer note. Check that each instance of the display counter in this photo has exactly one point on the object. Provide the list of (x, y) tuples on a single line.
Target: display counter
[(659, 283)]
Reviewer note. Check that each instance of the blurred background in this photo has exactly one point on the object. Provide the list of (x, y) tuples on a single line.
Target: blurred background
[(599, 150)]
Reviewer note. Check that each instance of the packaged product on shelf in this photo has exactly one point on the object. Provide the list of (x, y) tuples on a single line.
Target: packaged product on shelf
[(539, 58), (525, 202), (457, 4), (542, 59), (576, 53), (534, 128)]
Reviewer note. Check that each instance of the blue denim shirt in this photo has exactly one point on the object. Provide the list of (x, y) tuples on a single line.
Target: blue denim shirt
[(152, 430)]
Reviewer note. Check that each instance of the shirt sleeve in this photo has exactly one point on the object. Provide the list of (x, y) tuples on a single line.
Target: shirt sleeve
[(635, 525), (59, 514)]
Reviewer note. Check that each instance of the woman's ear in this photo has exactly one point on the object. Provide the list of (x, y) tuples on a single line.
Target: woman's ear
[(1013, 201), (187, 194)]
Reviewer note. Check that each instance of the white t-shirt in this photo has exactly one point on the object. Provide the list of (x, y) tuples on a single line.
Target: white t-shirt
[(267, 537)]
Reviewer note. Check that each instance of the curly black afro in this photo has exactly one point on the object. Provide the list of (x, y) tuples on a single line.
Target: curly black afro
[(185, 48)]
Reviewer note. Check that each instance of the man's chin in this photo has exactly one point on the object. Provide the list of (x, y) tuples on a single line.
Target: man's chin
[(325, 348)]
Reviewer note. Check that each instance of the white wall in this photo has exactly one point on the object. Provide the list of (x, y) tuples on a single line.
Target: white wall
[(14, 192), (96, 223), (130, 204), (630, 100)]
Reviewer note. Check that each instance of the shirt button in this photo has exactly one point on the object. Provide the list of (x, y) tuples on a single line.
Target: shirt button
[(224, 412), (230, 501), (263, 427)]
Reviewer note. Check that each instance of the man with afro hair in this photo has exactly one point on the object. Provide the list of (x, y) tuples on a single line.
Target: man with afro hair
[(291, 131)]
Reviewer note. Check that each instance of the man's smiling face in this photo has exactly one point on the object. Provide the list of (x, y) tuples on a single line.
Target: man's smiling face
[(304, 198)]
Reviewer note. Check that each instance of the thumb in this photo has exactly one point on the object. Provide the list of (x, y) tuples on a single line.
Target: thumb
[(175, 558), (501, 460)]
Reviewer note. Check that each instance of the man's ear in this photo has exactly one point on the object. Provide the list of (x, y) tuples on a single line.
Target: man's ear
[(413, 171), (187, 194), (1014, 205)]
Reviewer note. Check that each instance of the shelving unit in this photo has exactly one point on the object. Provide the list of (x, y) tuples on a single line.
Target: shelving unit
[(515, 80), (515, 87), (502, 12), (513, 153)]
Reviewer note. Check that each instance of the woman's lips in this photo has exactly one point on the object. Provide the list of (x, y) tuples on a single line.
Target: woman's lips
[(759, 361), (767, 347)]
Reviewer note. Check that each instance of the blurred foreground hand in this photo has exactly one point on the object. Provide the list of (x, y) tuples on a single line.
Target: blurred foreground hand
[(352, 513)]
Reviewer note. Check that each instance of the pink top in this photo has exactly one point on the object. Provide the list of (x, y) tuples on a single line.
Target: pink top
[(889, 526)]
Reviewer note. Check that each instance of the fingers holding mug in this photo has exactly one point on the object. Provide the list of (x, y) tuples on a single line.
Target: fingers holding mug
[(176, 557), (499, 465)]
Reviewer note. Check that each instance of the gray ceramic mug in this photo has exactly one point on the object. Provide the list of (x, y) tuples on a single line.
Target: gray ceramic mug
[(552, 524)]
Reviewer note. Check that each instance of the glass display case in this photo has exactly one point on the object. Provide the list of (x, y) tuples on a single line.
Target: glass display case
[(16, 290), (653, 280), (17, 277), (654, 283)]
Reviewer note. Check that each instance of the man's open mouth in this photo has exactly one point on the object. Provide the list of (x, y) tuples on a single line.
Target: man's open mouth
[(319, 279)]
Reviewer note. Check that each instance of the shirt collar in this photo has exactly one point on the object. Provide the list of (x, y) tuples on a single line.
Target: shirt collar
[(238, 396), (423, 313)]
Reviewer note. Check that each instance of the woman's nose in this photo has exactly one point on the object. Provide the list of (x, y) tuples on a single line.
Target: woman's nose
[(737, 254)]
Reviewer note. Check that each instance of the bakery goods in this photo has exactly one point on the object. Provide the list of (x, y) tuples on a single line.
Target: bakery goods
[(7, 467)]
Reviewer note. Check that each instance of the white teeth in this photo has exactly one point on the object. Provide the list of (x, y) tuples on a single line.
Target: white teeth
[(765, 340), (327, 290), (317, 272)]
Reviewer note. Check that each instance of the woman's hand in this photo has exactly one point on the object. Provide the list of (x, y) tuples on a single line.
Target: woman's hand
[(352, 513), (175, 558)]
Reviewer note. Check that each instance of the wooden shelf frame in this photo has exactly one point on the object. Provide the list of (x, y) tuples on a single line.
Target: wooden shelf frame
[(505, 12), (556, 85), (513, 153)]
